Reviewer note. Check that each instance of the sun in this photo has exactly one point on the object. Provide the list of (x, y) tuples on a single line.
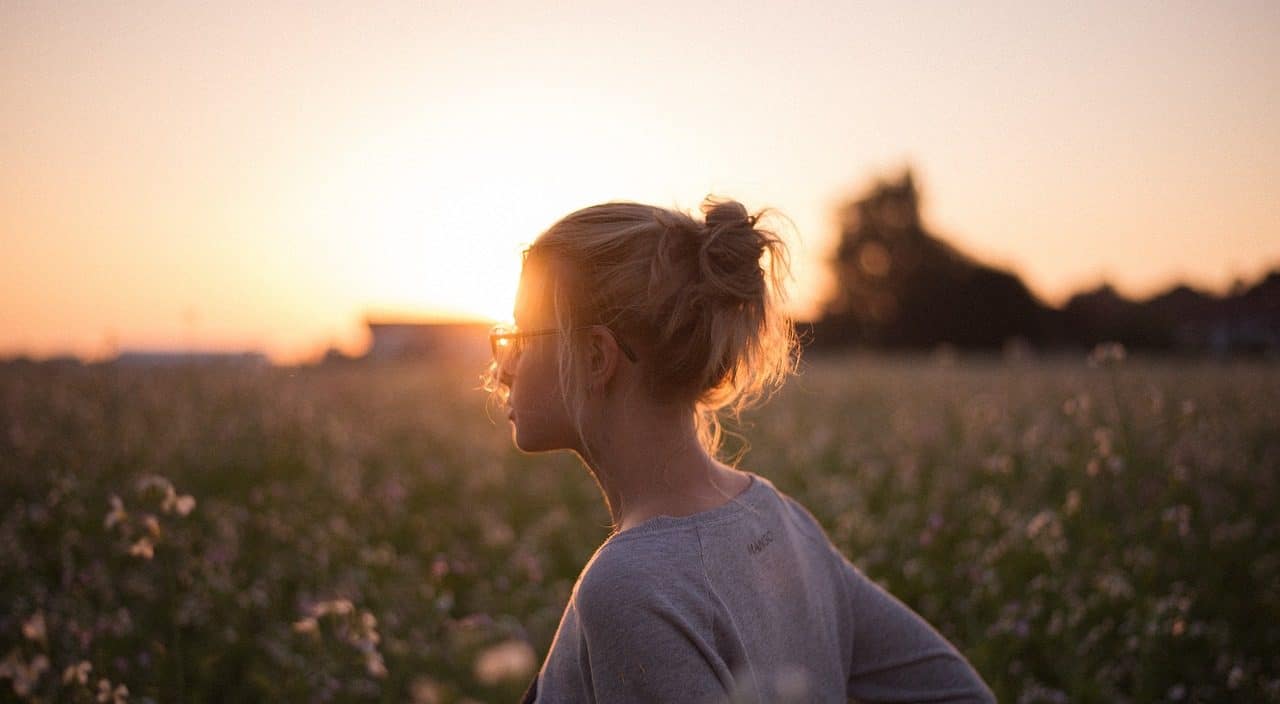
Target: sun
[(400, 241), (418, 220)]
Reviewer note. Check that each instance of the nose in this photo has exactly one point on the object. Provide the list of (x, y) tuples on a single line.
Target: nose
[(506, 365)]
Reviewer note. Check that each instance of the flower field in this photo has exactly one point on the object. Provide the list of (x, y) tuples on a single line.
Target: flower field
[(1094, 530)]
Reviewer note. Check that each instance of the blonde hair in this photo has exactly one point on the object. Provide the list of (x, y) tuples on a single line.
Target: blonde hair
[(700, 302)]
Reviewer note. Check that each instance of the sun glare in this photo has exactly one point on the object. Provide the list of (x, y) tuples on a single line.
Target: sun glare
[(415, 221), (405, 237)]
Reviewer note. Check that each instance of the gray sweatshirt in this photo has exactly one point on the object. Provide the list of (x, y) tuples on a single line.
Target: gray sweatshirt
[(746, 602)]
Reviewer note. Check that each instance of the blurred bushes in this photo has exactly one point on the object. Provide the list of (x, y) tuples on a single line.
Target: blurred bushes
[(365, 533)]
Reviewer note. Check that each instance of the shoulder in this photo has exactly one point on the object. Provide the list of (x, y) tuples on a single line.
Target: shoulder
[(803, 518), (643, 574)]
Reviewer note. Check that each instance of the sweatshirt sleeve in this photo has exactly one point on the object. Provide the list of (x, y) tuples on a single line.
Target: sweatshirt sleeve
[(899, 657), (640, 647)]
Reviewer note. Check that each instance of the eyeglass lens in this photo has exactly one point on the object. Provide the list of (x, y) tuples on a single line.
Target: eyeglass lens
[(506, 345)]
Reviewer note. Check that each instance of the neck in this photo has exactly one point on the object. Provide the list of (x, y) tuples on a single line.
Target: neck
[(655, 466)]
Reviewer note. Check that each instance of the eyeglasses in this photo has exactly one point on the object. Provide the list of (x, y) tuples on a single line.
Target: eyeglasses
[(507, 342)]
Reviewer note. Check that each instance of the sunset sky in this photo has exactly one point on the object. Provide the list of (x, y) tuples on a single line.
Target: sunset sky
[(261, 175)]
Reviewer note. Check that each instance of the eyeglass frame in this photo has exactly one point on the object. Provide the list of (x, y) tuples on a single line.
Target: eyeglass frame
[(517, 336)]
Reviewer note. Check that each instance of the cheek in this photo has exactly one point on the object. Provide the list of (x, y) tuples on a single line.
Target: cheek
[(534, 378), (541, 422), (534, 395)]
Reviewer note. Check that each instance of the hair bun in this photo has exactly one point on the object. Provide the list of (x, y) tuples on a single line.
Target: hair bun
[(726, 212), (729, 255)]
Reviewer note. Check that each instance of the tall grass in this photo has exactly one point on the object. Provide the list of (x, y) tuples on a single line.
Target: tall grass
[(1102, 532)]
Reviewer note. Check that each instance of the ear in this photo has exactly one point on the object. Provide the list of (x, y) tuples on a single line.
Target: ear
[(602, 358)]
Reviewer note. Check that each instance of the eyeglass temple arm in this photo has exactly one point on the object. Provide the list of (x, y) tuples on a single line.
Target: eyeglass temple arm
[(626, 349)]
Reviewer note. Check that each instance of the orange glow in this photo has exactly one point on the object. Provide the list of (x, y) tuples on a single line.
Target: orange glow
[(171, 177)]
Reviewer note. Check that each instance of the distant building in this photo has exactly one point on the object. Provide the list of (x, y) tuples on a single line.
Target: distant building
[(56, 361), (407, 339), (178, 358)]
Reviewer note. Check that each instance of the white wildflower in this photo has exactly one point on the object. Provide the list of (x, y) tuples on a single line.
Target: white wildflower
[(144, 548), (512, 659), (77, 673), (116, 515)]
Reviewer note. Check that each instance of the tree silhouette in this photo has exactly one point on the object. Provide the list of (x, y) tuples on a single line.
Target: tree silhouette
[(897, 285)]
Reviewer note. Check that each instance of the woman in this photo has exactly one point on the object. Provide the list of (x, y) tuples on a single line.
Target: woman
[(634, 327)]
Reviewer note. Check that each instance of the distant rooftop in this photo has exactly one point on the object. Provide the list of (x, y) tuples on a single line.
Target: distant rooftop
[(171, 358)]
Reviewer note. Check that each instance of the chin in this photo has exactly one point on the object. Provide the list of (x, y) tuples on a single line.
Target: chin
[(526, 441), (531, 442)]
